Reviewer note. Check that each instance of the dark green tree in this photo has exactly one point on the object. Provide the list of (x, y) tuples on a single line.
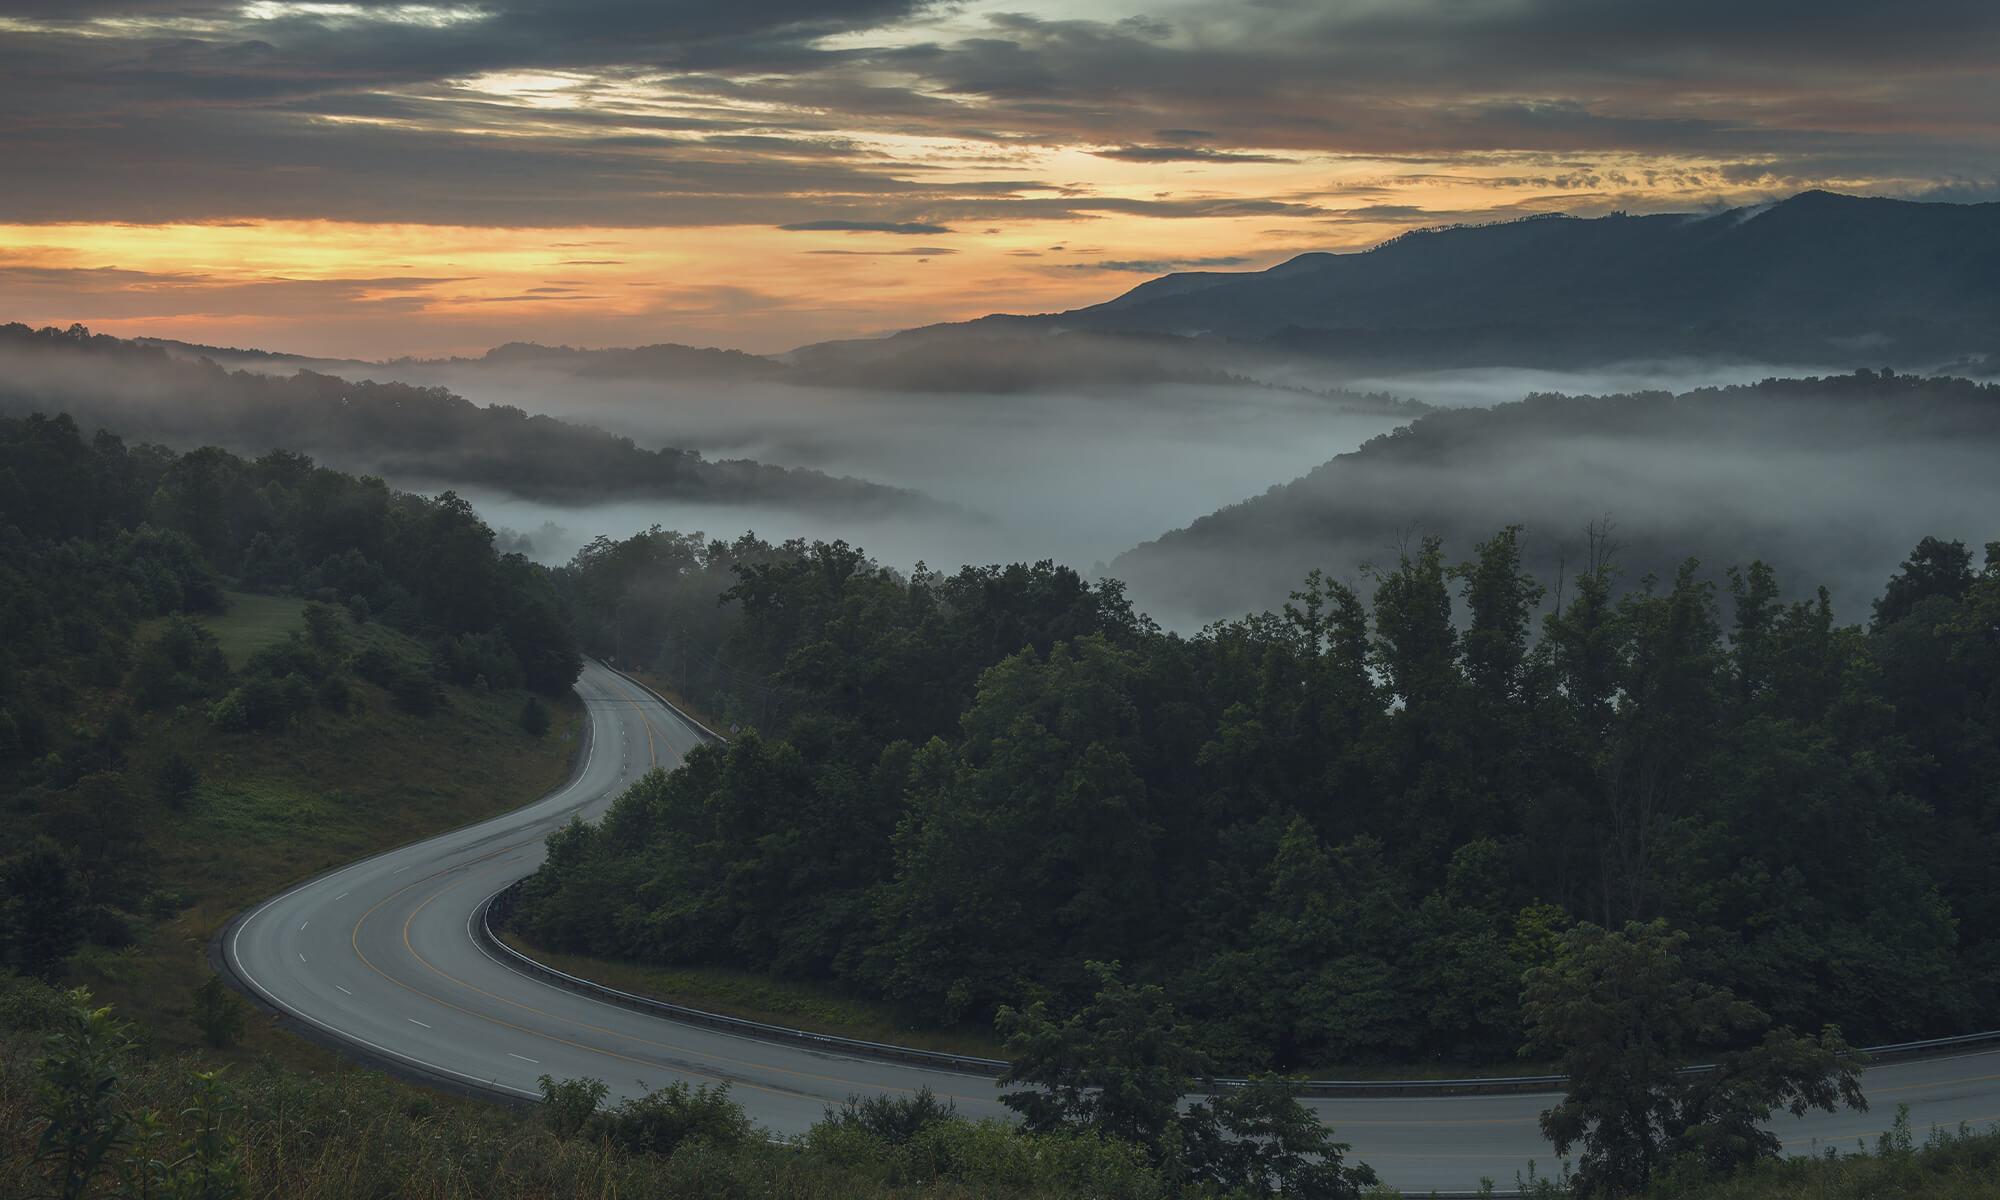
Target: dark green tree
[(1622, 1018), (41, 908), (1934, 568), (218, 1013), (1120, 1066), (175, 780)]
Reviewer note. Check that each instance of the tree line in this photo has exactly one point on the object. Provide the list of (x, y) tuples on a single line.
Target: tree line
[(1335, 834), (397, 429)]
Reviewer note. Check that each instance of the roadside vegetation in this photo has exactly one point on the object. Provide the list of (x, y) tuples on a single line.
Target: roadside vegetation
[(999, 800), (174, 747), (90, 1106), (1336, 835)]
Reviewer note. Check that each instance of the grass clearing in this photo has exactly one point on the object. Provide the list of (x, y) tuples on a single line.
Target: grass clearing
[(252, 623)]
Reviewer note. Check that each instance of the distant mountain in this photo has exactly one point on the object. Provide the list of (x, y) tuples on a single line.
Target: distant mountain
[(1816, 278), (410, 435), (665, 360), (1830, 481), (976, 365), (225, 354)]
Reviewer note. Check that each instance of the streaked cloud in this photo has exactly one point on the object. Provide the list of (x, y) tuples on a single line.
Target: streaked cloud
[(1199, 131), (864, 227)]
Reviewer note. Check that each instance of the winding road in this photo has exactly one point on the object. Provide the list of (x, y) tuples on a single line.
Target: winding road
[(378, 958)]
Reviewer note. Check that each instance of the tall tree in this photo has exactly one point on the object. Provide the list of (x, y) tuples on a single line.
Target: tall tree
[(41, 908), (1121, 1064), (1622, 1018)]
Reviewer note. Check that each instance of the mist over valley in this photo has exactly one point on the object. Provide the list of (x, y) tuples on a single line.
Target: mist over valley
[(1043, 573), (1210, 437)]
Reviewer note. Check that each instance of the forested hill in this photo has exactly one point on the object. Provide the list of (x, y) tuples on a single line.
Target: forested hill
[(117, 698), (1335, 834), (423, 435), (1829, 480), (980, 366), (1811, 279)]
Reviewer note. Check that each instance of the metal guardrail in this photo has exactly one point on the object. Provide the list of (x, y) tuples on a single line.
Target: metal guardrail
[(482, 925), (503, 900), (974, 1065), (669, 705)]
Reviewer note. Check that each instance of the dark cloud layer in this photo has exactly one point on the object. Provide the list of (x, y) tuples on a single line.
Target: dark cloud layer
[(691, 112)]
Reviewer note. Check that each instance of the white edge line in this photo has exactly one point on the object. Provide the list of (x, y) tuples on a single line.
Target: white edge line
[(343, 1035), (236, 956), (612, 1005)]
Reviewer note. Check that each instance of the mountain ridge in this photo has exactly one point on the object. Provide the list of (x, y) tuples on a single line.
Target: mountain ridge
[(1819, 276)]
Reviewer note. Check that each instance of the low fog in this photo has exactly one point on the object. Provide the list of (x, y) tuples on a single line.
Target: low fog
[(1122, 479), (1075, 476), (1831, 484)]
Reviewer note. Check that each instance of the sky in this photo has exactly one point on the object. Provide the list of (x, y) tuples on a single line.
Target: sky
[(366, 179)]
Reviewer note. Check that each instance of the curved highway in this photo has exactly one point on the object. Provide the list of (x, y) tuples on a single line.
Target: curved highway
[(377, 957)]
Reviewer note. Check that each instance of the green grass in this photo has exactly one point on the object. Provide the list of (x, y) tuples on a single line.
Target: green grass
[(1961, 1164), (345, 1132), (754, 997), (252, 623), (277, 808)]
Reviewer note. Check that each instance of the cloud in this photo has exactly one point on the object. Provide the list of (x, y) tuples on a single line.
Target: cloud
[(918, 227), (1186, 154), (103, 293), (920, 118), (912, 252), (1154, 266)]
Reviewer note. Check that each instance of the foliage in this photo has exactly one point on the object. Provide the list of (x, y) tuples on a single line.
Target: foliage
[(1628, 1024), (77, 1095), (1120, 1066), (332, 1134), (571, 1103), (1377, 810), (218, 1013), (896, 1120), (41, 908), (661, 1120), (175, 780)]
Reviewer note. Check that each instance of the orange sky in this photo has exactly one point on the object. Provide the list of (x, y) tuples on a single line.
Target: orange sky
[(367, 180)]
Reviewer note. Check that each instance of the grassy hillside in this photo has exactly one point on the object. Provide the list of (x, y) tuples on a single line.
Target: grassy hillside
[(273, 808)]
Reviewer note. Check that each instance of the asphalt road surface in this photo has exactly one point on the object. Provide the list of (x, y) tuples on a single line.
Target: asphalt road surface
[(378, 957)]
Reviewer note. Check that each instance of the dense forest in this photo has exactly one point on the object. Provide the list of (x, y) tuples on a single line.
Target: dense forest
[(1338, 833), (391, 429), (1335, 834), (1829, 480), (111, 555)]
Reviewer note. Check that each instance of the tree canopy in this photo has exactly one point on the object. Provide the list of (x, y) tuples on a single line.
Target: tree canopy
[(1665, 1070)]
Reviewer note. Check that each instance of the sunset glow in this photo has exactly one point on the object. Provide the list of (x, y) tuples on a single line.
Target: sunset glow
[(369, 179)]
